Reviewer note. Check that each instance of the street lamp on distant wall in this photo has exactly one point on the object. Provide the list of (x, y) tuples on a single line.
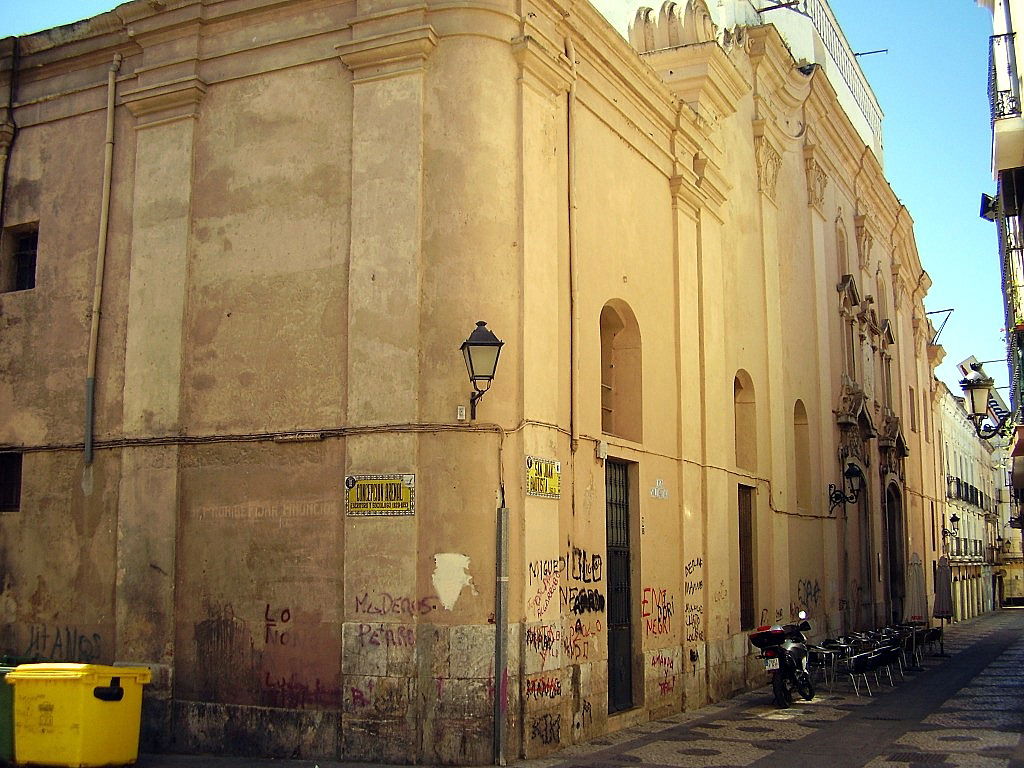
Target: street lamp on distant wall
[(481, 351), (977, 389), (954, 527), (852, 478)]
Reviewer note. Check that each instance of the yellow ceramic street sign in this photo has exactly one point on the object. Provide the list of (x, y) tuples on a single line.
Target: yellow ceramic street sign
[(543, 477), (380, 495)]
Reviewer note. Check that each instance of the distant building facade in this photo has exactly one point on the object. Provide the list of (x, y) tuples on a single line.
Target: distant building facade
[(1005, 209), (230, 433), (973, 480)]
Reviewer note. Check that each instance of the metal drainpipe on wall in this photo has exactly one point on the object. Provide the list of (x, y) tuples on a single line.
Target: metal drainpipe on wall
[(570, 52), (10, 124), (101, 257)]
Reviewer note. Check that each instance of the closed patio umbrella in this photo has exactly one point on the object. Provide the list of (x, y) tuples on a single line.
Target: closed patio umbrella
[(943, 608), (916, 606)]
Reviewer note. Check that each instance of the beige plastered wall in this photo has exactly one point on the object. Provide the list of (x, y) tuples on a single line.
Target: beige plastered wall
[(312, 205)]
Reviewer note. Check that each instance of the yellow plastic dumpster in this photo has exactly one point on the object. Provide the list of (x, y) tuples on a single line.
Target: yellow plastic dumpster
[(77, 714)]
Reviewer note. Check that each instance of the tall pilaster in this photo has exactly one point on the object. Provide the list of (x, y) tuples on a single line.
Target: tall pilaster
[(388, 79), (164, 100)]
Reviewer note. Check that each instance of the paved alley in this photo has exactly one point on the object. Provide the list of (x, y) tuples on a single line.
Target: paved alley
[(965, 710)]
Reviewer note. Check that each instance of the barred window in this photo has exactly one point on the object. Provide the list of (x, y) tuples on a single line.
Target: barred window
[(10, 482), (20, 245)]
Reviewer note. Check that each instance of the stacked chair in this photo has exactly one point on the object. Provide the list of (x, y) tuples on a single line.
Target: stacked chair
[(881, 653)]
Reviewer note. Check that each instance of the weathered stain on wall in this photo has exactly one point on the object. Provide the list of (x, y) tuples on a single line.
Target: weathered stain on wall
[(451, 576)]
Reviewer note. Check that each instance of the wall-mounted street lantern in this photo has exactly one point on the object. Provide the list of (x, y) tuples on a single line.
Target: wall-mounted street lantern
[(481, 351), (954, 527), (977, 389), (853, 478)]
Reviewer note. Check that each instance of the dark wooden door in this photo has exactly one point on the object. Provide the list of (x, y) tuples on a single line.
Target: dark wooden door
[(620, 628)]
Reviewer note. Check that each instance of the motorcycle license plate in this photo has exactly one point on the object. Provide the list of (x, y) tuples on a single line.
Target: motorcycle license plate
[(770, 664)]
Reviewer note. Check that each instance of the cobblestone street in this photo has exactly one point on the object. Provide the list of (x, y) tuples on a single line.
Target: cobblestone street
[(965, 710)]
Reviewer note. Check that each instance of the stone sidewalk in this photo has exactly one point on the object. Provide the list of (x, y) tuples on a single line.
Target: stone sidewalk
[(963, 711)]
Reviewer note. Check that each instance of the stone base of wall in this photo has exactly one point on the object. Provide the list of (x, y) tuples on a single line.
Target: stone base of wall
[(198, 727)]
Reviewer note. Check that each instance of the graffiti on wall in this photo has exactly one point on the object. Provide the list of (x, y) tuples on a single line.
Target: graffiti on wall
[(541, 598), (579, 638), (694, 613), (294, 692), (665, 668), (656, 609), (545, 640), (585, 717), (63, 643), (582, 601), (546, 728), (388, 635), (545, 687), (386, 604), (808, 593), (381, 696), (575, 564)]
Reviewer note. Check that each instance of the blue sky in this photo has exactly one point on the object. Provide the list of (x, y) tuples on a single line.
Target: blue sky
[(931, 86)]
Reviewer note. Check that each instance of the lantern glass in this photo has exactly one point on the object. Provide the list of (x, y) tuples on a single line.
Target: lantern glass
[(481, 351), (853, 477), (977, 388)]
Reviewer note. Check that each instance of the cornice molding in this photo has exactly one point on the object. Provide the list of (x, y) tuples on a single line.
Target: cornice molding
[(162, 102), (702, 187), (6, 136), (550, 69), (703, 76), (388, 55)]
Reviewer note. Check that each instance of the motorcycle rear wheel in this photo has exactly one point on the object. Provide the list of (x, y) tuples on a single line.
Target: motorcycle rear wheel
[(805, 685), (782, 687)]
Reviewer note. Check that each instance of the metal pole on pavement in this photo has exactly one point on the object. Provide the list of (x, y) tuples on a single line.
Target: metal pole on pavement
[(500, 634)]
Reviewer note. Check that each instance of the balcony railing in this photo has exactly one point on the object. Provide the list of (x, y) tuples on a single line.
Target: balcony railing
[(961, 490), (966, 549), (1003, 90), (839, 49)]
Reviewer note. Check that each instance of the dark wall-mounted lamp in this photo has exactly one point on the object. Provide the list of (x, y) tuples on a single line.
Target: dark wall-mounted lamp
[(977, 389), (481, 351), (853, 478), (954, 526)]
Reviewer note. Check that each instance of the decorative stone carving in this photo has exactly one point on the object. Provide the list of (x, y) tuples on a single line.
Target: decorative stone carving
[(849, 295), (854, 419), (642, 29), (864, 241), (677, 24), (892, 446), (698, 26), (769, 161), (817, 182)]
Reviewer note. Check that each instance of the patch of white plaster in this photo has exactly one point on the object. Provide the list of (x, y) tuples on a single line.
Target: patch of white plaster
[(451, 576)]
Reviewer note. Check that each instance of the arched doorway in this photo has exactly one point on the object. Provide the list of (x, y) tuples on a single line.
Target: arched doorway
[(896, 579)]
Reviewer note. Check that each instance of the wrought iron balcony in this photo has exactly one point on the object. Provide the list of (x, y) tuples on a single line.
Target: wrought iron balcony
[(1003, 95)]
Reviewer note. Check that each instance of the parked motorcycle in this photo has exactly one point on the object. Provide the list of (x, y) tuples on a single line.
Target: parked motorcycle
[(784, 650)]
